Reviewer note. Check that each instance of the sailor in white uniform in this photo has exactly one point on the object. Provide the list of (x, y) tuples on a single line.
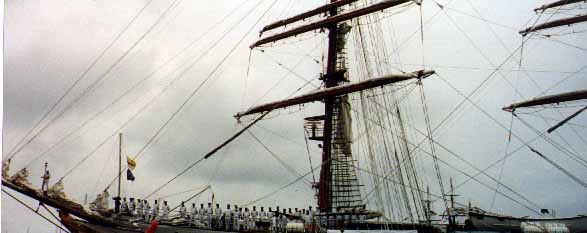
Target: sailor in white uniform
[(254, 218), (131, 206), (124, 206), (155, 210), (208, 217), (228, 216), (194, 218), (238, 219), (272, 220), (182, 211), (139, 208), (202, 215), (165, 211), (146, 209), (247, 219), (283, 220), (218, 217)]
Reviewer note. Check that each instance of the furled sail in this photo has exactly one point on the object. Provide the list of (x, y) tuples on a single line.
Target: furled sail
[(550, 99), (336, 91)]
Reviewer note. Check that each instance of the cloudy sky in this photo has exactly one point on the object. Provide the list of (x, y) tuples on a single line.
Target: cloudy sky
[(174, 48)]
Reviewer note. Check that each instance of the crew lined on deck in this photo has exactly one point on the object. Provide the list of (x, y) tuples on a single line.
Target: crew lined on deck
[(231, 218)]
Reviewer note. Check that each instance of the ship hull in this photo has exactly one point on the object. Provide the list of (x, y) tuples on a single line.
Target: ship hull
[(141, 228), (484, 222)]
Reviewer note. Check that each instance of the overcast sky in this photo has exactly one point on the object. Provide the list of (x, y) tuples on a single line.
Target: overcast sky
[(49, 45)]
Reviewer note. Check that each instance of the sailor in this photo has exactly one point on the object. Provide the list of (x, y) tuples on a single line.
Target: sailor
[(139, 210), (209, 215), (262, 214), (228, 215), (164, 211), (193, 214), (254, 217), (6, 169), (238, 220), (124, 206), (45, 178), (247, 219), (116, 204), (146, 209), (355, 215), (363, 217), (202, 214), (283, 220), (277, 219), (218, 217), (131, 206), (272, 219), (182, 210), (235, 218), (155, 210)]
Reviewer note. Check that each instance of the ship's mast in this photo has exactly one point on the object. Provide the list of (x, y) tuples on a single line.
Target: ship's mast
[(338, 186)]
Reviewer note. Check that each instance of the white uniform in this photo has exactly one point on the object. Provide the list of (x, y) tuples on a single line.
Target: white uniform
[(140, 208), (203, 216), (218, 215), (123, 206), (238, 220), (228, 218), (182, 211), (194, 218), (155, 210), (254, 218), (146, 209), (131, 207), (165, 211)]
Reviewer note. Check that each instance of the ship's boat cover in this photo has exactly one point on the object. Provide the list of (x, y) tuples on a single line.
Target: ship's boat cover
[(373, 231), (537, 227)]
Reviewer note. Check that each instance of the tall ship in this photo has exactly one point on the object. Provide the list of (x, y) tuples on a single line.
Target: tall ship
[(373, 154)]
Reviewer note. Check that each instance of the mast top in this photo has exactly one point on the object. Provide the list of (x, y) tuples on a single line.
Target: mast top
[(325, 22)]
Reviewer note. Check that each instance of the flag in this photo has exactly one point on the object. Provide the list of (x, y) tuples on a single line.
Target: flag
[(131, 163), (129, 175)]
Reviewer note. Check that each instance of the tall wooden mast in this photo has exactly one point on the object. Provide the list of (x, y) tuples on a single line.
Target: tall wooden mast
[(338, 184)]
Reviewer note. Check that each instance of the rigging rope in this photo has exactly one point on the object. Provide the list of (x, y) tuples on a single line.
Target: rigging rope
[(136, 85), (432, 147), (90, 67), (571, 155), (468, 163), (144, 107), (31, 208), (569, 174), (92, 87), (279, 160), (209, 76), (209, 154)]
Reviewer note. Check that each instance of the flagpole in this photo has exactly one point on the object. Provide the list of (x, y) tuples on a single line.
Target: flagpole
[(119, 161)]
